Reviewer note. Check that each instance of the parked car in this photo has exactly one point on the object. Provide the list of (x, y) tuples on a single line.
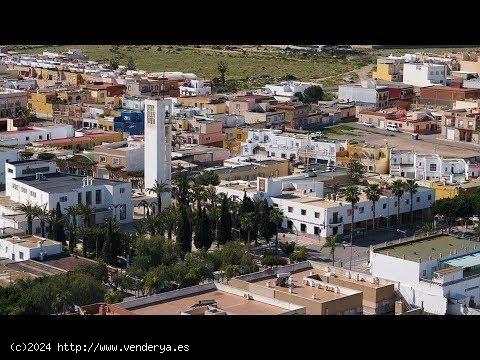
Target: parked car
[(367, 124), (393, 128)]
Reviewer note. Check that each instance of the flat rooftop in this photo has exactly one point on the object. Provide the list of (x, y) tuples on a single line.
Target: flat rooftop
[(232, 304), (421, 250), (30, 241), (60, 182), (299, 288), (464, 261)]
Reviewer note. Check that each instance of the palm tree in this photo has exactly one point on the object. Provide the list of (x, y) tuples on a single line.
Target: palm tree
[(30, 212), (72, 212), (372, 191), (247, 223), (412, 187), (169, 218), (86, 211), (352, 195), (144, 203), (211, 196), (331, 242), (54, 223), (159, 188), (398, 188), (276, 217), (42, 214), (198, 194)]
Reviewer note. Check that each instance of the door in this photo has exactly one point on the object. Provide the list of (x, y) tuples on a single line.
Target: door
[(450, 134)]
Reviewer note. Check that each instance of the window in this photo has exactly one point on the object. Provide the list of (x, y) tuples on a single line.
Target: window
[(115, 161), (123, 212), (150, 114), (429, 197), (407, 201), (15, 186), (27, 138), (303, 212), (103, 159), (303, 228), (349, 212), (424, 273), (418, 198), (122, 190), (290, 209), (316, 230), (63, 198), (98, 196), (361, 209), (433, 167), (88, 198), (24, 190), (10, 171), (317, 215), (79, 198), (20, 255), (395, 204)]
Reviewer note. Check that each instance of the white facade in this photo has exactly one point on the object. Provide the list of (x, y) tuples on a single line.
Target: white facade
[(25, 136), (422, 75), (276, 143), (6, 155), (432, 167), (38, 183), (195, 87), (28, 247), (288, 88), (431, 283), (158, 144), (307, 211)]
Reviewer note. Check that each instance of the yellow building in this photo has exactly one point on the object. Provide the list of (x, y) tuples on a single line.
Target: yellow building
[(233, 139), (41, 103), (212, 103), (248, 169), (374, 158), (388, 70), (443, 191)]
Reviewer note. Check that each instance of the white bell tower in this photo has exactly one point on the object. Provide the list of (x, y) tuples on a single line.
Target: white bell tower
[(158, 144)]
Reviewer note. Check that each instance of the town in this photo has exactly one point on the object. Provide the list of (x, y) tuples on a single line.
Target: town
[(126, 191)]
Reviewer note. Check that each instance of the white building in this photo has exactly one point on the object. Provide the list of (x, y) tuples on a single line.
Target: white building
[(23, 248), (195, 87), (294, 146), (439, 273), (307, 211), (366, 94), (411, 165), (22, 136), (6, 155), (38, 182), (158, 144), (426, 74), (288, 88)]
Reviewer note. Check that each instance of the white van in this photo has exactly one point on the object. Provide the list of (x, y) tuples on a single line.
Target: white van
[(392, 127)]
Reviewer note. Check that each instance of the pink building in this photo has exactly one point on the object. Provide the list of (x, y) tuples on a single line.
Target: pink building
[(203, 132)]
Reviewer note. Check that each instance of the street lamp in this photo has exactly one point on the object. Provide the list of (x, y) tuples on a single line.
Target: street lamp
[(113, 208)]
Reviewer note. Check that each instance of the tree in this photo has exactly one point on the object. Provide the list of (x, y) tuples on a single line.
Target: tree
[(398, 188), (247, 224), (113, 64), (373, 192), (289, 77), (299, 254), (111, 245), (181, 188), (42, 215), (87, 212), (276, 218), (25, 155), (169, 218), (184, 230), (159, 189), (113, 297), (313, 94), (412, 187), (30, 212), (56, 230), (131, 64), (207, 178), (299, 95), (225, 223), (352, 195), (45, 156), (222, 69), (265, 226), (355, 170), (146, 207), (273, 259), (331, 242)]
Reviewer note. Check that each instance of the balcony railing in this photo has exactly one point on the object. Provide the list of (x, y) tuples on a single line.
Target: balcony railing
[(338, 220)]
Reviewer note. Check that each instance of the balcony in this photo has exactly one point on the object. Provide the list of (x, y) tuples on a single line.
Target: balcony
[(335, 221)]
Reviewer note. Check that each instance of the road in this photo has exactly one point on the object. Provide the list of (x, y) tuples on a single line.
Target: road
[(431, 143)]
